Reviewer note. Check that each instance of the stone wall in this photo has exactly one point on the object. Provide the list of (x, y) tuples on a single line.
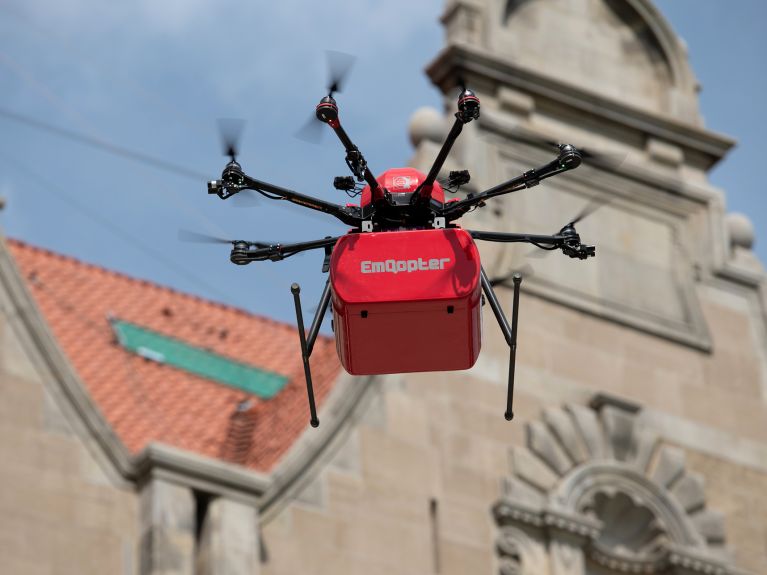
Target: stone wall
[(63, 509), (668, 321)]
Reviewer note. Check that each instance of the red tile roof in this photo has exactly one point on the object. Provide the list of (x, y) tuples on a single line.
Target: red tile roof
[(145, 401)]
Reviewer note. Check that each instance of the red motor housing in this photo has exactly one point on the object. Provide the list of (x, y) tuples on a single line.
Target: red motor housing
[(406, 301)]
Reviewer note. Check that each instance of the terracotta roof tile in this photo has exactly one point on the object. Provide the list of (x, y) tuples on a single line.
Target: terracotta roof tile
[(145, 401)]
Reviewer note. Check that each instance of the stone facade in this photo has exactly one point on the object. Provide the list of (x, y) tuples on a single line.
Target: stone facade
[(640, 438), (641, 423), (64, 508)]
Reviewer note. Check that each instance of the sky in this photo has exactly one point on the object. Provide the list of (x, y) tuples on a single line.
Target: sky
[(153, 76)]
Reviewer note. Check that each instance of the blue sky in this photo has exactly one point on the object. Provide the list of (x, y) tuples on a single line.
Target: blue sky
[(154, 76)]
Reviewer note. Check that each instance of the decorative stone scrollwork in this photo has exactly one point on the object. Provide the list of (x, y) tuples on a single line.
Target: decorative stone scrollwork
[(518, 553), (604, 494), (510, 557)]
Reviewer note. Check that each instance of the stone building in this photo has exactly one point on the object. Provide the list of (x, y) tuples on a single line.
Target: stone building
[(640, 438)]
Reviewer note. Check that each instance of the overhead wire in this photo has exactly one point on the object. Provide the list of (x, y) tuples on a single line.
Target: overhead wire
[(67, 198), (103, 145), (124, 152), (96, 142)]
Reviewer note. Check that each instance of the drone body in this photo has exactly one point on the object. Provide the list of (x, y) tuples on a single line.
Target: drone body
[(406, 282)]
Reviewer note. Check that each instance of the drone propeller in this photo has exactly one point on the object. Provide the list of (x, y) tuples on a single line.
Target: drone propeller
[(249, 199), (230, 130), (312, 131), (587, 210), (198, 238), (339, 65)]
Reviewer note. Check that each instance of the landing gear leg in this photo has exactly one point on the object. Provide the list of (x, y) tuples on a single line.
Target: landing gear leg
[(307, 344), (509, 333)]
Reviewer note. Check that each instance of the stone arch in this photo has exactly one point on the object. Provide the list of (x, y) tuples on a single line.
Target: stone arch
[(601, 491)]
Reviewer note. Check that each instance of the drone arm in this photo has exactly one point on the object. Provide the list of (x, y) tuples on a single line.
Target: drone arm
[(347, 214), (234, 181), (535, 239), (468, 110), (423, 193), (566, 240), (354, 158), (569, 158), (528, 179), (242, 254)]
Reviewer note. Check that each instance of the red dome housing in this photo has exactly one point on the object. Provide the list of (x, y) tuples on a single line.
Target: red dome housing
[(402, 181)]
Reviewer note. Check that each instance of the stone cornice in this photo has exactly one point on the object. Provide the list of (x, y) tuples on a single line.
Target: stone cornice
[(557, 523), (509, 511), (501, 124), (196, 471), (476, 61)]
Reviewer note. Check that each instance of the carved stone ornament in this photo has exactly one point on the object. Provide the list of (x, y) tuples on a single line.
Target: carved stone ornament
[(603, 495)]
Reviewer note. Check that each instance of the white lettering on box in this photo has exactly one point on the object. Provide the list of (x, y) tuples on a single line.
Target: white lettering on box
[(407, 266)]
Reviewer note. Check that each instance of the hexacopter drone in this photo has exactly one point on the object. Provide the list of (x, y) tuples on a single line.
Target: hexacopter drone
[(405, 273)]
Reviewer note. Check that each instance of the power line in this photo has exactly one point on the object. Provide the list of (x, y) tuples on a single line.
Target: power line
[(104, 145), (67, 198)]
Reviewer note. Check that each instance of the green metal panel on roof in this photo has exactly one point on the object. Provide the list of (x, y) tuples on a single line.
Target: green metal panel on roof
[(163, 349)]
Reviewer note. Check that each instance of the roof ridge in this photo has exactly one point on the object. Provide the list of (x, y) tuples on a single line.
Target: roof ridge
[(51, 253)]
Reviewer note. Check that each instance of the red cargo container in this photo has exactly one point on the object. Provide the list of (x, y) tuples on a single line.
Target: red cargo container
[(406, 301)]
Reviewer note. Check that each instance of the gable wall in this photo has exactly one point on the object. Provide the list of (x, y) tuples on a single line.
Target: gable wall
[(63, 508)]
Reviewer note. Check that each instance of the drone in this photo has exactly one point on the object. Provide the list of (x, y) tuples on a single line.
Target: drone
[(405, 283)]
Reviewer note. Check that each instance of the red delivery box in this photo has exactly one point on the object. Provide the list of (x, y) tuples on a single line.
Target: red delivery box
[(406, 301)]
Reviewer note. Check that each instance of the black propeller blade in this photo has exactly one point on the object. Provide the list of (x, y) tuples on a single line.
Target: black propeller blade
[(587, 210), (246, 199), (312, 131), (339, 65), (230, 130), (199, 238), (196, 237)]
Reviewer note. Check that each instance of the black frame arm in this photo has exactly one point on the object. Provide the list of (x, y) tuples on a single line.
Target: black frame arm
[(354, 158), (234, 181), (566, 240), (530, 178), (243, 252), (347, 214), (554, 241), (468, 110), (423, 192), (568, 159)]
